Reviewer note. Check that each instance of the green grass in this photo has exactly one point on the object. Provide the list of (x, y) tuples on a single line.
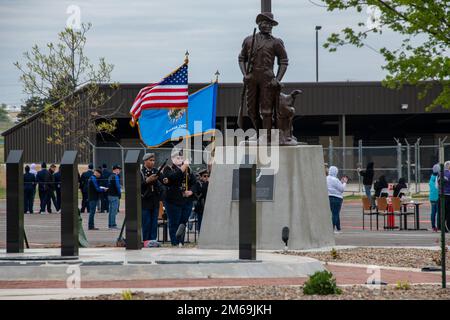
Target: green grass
[(352, 197)]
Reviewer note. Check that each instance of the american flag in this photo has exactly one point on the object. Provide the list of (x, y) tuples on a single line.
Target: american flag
[(170, 93)]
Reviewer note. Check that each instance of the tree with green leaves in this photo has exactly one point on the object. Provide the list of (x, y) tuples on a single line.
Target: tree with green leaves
[(32, 105), (4, 117), (422, 58), (64, 83)]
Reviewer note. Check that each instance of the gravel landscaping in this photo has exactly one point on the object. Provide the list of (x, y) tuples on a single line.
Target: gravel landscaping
[(390, 257), (422, 292)]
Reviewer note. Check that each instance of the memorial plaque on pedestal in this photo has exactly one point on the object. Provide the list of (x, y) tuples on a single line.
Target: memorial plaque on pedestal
[(264, 185), (300, 202)]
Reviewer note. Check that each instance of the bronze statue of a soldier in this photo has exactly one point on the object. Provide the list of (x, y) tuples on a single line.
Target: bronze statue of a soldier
[(256, 62)]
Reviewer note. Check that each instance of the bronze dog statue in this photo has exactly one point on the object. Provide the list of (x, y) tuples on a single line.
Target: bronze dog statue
[(285, 115)]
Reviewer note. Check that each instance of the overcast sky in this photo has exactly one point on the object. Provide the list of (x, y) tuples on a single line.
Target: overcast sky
[(146, 39)]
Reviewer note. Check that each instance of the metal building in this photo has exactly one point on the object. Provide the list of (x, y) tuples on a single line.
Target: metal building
[(345, 111)]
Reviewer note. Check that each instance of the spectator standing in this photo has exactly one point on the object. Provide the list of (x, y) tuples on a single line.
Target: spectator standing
[(336, 190), (104, 206), (29, 188), (150, 197), (84, 183), (201, 192), (52, 189), (34, 172), (33, 169), (99, 202), (94, 192), (181, 184), (57, 178), (114, 195), (43, 178), (434, 195), (367, 180), (447, 194)]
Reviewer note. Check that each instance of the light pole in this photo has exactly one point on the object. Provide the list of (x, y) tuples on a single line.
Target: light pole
[(317, 52)]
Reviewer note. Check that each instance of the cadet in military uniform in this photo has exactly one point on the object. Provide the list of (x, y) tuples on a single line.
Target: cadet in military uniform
[(84, 182), (151, 195), (29, 187), (181, 186), (201, 192), (263, 87)]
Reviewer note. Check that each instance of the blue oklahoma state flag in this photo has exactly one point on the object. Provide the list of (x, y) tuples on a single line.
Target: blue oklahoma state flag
[(158, 126)]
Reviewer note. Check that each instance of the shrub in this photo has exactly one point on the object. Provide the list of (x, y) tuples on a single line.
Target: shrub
[(437, 256), (321, 283), (334, 254), (127, 295), (402, 285)]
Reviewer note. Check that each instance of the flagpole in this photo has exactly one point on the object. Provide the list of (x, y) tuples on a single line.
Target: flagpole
[(186, 61), (213, 151)]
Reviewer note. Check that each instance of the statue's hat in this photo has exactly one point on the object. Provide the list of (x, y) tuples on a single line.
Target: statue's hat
[(268, 16)]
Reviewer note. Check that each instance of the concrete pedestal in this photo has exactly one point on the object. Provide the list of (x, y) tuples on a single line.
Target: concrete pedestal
[(300, 202)]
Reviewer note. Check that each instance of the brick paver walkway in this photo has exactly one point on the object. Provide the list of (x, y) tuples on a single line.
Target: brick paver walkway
[(345, 275)]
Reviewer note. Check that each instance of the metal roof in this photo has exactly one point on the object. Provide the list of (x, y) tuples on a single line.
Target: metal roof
[(323, 98)]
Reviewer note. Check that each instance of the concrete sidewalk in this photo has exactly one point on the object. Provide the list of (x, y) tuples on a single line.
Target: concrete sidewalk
[(345, 275), (118, 264)]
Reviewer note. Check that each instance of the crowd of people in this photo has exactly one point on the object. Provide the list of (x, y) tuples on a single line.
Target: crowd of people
[(48, 183), (181, 192), (336, 188)]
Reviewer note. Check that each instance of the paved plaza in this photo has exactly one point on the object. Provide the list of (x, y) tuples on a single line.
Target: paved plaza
[(199, 269), (44, 230), (105, 269)]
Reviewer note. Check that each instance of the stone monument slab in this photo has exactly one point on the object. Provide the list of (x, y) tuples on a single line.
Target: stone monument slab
[(300, 202)]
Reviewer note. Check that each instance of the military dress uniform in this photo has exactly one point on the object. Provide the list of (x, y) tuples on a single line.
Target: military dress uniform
[(178, 207), (29, 181), (150, 197), (261, 94), (84, 184)]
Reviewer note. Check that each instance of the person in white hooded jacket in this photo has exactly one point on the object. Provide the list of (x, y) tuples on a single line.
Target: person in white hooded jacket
[(336, 189)]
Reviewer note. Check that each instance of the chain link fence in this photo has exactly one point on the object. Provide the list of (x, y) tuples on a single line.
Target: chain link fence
[(412, 162)]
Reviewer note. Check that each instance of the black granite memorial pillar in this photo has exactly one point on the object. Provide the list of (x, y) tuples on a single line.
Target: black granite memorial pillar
[(14, 202), (133, 212), (69, 204), (247, 211)]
